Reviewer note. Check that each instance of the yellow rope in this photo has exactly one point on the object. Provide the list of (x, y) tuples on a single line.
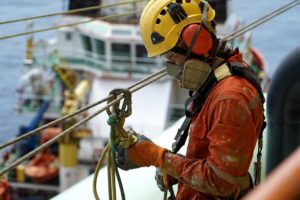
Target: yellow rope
[(98, 167)]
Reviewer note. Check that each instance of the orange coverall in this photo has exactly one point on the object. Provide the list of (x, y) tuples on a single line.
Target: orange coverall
[(222, 138)]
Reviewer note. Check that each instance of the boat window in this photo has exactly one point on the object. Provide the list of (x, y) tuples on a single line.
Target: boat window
[(120, 49), (68, 36), (221, 9), (100, 47), (142, 55), (141, 51), (87, 43)]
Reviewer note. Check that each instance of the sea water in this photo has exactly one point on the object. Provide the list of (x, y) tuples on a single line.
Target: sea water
[(275, 39)]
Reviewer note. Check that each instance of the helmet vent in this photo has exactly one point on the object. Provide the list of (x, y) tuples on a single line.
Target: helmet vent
[(163, 12), (179, 1), (157, 21), (156, 38), (176, 12)]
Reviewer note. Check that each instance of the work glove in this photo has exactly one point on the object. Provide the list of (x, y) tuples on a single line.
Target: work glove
[(164, 181), (142, 153)]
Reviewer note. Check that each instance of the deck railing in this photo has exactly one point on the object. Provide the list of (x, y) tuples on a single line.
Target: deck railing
[(85, 60)]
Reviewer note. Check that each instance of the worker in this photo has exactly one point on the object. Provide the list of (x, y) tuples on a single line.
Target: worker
[(224, 113)]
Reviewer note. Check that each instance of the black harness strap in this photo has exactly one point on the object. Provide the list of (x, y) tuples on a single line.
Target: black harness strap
[(198, 99), (237, 69)]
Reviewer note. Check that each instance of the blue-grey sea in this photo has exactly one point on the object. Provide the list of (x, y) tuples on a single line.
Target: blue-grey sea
[(274, 39)]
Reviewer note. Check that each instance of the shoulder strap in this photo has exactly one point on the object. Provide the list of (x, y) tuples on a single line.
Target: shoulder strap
[(237, 69)]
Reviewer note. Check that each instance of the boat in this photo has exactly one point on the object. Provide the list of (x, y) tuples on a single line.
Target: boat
[(105, 54)]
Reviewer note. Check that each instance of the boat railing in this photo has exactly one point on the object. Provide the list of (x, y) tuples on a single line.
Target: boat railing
[(93, 61)]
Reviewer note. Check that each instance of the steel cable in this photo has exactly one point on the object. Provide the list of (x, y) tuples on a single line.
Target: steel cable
[(132, 88), (228, 37), (66, 25), (71, 11), (35, 131), (136, 87)]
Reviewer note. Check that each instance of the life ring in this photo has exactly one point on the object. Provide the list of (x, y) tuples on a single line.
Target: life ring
[(44, 166)]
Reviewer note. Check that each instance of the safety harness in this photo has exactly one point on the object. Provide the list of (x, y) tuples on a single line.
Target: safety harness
[(198, 99)]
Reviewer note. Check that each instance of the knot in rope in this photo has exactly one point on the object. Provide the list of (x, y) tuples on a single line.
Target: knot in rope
[(112, 120), (118, 138), (130, 139)]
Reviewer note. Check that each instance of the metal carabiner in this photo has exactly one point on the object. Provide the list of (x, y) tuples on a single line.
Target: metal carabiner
[(125, 109)]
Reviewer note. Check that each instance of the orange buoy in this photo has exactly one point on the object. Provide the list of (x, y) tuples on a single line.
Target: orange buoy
[(44, 166), (4, 190)]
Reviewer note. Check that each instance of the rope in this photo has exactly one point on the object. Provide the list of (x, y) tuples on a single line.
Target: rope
[(66, 25), (71, 11), (98, 167), (262, 20), (117, 135), (114, 169), (135, 87)]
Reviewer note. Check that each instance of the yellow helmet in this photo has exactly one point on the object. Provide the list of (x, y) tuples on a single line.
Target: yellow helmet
[(163, 20)]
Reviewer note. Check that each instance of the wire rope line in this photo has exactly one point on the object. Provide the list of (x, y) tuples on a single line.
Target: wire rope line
[(262, 20), (132, 88), (71, 11), (229, 37), (51, 141), (146, 82), (66, 25), (52, 123)]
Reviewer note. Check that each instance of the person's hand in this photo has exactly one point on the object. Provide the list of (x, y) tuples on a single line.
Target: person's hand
[(164, 181), (142, 153)]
